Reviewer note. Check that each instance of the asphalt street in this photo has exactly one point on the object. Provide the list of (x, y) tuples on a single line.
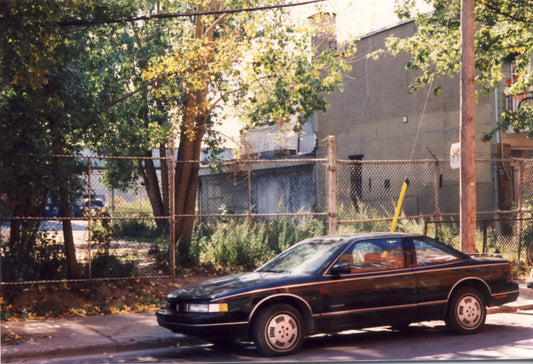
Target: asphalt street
[(116, 333)]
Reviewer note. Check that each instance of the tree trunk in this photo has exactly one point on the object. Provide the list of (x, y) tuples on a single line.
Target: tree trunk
[(151, 184), (14, 232), (189, 152), (187, 172), (164, 180), (64, 202), (70, 250)]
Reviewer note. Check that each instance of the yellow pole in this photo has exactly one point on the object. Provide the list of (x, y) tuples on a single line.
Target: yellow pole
[(399, 206)]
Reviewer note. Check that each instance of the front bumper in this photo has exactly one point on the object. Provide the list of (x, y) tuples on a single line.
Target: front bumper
[(206, 326)]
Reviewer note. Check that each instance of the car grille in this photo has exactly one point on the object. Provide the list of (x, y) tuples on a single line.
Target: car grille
[(172, 306)]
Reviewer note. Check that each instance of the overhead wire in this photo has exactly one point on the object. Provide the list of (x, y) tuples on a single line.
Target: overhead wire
[(187, 14)]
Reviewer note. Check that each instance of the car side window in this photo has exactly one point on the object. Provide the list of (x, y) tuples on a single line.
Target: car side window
[(429, 254), (374, 255)]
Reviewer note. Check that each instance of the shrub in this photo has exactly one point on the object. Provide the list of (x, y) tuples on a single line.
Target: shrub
[(228, 246), (104, 265), (227, 242), (35, 257), (362, 212), (139, 230)]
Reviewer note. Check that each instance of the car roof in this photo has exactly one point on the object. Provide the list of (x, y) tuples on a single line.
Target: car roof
[(368, 235)]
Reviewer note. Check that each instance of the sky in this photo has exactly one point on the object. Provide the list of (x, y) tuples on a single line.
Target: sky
[(358, 17)]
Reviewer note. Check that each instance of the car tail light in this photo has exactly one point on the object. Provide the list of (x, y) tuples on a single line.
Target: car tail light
[(510, 272)]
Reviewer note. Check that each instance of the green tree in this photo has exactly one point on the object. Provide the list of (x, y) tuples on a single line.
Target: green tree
[(504, 33), (258, 62), (46, 110), (121, 86), (140, 122), (259, 58), (140, 114)]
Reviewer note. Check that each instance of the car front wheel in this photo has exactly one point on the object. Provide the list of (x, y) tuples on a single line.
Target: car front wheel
[(278, 330), (466, 311)]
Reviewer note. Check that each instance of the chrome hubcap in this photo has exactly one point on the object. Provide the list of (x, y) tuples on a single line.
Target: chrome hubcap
[(469, 312), (282, 332)]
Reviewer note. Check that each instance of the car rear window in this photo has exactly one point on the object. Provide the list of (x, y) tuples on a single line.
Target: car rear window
[(429, 252)]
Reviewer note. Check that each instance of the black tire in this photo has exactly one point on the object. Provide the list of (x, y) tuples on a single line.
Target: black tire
[(466, 311), (278, 330), (224, 344)]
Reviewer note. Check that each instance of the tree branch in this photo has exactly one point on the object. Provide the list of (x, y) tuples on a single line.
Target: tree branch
[(508, 15), (130, 94)]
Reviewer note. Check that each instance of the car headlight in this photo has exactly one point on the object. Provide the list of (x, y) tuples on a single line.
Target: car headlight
[(207, 307)]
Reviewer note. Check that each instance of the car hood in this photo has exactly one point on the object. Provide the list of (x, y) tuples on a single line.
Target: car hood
[(234, 284)]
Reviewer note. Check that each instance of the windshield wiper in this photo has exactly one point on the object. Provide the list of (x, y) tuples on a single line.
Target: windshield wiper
[(271, 271)]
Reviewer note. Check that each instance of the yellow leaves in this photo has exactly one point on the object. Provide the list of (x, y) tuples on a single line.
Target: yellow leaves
[(11, 338), (282, 120), (519, 50), (14, 9), (250, 29)]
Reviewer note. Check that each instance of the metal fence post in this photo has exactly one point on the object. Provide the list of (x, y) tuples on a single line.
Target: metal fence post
[(331, 188), (520, 212), (437, 197), (89, 218), (172, 210), (249, 217)]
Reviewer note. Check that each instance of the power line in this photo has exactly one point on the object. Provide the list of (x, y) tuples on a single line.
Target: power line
[(130, 19)]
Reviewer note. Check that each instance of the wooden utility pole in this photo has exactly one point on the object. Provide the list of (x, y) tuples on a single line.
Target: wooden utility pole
[(467, 194), (332, 185)]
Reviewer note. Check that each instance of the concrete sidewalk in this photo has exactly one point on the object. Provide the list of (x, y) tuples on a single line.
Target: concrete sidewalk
[(87, 335), (113, 333)]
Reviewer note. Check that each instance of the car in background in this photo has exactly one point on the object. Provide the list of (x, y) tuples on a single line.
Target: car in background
[(342, 282), (93, 205), (51, 208)]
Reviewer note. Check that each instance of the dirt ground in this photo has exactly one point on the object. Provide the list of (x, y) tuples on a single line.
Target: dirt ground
[(91, 298)]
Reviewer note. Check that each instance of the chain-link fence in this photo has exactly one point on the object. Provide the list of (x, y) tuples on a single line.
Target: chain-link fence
[(368, 191), (249, 210)]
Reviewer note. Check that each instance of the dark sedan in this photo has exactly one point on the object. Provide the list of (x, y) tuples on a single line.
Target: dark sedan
[(335, 283)]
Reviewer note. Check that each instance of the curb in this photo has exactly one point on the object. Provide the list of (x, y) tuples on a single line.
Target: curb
[(510, 308), (133, 345)]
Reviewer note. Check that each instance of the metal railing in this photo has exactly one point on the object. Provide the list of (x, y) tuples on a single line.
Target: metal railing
[(514, 102)]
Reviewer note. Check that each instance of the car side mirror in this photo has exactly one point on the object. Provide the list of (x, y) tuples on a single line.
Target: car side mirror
[(341, 268)]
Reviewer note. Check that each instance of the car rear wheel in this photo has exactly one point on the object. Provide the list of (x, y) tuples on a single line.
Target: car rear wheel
[(278, 330), (466, 311)]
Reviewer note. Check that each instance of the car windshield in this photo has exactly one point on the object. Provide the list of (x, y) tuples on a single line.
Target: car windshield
[(305, 257)]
